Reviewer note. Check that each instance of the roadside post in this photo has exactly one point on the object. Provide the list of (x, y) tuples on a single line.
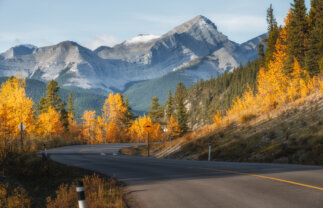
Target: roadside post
[(21, 128), (45, 150), (166, 132), (80, 193), (209, 158), (147, 127)]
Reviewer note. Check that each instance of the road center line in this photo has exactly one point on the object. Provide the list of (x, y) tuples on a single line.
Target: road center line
[(267, 177)]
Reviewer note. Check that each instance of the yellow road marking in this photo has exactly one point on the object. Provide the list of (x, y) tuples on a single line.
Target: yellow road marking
[(266, 177), (241, 173)]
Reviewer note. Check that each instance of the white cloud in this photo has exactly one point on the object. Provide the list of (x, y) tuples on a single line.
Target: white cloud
[(239, 22), (101, 40), (9, 37), (163, 19)]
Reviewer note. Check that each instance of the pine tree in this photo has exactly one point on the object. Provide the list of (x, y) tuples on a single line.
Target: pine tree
[(155, 112), (169, 108), (261, 53), (70, 108), (297, 32), (130, 116), (273, 33), (181, 115), (314, 43), (64, 118), (52, 98)]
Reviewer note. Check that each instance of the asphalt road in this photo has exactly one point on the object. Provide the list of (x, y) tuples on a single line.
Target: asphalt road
[(159, 183)]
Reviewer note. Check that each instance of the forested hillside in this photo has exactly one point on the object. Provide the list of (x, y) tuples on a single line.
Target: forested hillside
[(205, 98)]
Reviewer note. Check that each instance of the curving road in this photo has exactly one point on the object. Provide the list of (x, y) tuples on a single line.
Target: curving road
[(159, 183)]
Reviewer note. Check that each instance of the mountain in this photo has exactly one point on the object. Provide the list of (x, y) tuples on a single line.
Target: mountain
[(195, 48)]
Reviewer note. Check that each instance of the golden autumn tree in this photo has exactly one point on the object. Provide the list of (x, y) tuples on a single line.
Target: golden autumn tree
[(156, 133), (89, 124), (114, 115), (4, 125), (173, 129), (113, 133), (99, 130), (49, 124), (15, 107), (217, 119), (74, 129), (133, 131), (138, 133), (114, 109)]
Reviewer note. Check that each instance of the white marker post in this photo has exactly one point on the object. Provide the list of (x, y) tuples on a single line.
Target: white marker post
[(209, 151), (81, 195), (21, 128), (45, 150)]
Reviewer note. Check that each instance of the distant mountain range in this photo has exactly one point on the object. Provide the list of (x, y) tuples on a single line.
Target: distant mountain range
[(142, 67)]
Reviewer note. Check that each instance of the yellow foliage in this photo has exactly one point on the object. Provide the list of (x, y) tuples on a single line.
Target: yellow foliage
[(73, 127), (138, 132), (113, 132), (114, 109), (217, 119), (15, 107), (49, 124), (99, 130), (173, 128), (274, 87), (89, 123)]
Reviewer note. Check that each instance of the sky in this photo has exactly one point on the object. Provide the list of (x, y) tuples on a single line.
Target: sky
[(93, 23)]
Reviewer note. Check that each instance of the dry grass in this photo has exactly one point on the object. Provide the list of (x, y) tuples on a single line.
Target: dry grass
[(99, 194), (293, 134), (13, 197), (44, 182)]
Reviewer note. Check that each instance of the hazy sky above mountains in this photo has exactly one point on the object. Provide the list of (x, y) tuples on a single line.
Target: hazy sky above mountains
[(93, 23)]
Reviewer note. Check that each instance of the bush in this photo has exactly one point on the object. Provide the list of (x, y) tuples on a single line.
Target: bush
[(247, 117), (98, 193), (13, 198)]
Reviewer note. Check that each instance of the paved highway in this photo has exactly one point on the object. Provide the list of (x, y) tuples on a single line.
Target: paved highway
[(159, 183)]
